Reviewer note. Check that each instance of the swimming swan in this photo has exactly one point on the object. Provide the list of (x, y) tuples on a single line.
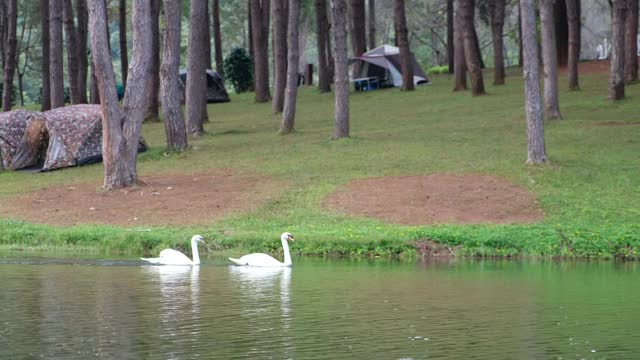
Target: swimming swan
[(174, 257), (266, 260)]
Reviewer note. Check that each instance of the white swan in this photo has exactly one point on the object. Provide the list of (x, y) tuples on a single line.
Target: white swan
[(266, 260), (174, 257)]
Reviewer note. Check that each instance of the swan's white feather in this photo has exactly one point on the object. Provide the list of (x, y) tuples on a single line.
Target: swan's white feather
[(257, 260)]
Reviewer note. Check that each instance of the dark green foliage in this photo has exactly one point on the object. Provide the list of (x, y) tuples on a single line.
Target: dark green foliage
[(14, 96), (238, 69)]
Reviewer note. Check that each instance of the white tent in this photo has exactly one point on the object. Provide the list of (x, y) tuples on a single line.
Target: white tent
[(383, 62)]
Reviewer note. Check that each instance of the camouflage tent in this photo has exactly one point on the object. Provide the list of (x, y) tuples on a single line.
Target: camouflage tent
[(216, 93), (63, 137), (13, 125)]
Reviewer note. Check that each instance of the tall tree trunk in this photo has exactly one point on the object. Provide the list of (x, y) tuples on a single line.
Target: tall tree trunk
[(196, 97), (11, 54), (459, 66), (358, 33), (520, 46), (121, 127), (279, 54), (497, 23), (46, 90), (217, 38), (550, 60), (124, 60), (207, 58), (94, 90), (56, 59), (467, 7), (323, 34), (3, 33), (289, 113), (83, 15), (72, 50), (154, 86), (573, 18), (341, 63), (402, 35), (371, 18), (174, 124), (260, 29), (616, 77), (450, 36), (630, 38), (536, 152)]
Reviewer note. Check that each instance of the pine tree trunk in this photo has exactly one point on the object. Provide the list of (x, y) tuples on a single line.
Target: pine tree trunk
[(631, 42), (124, 60), (573, 18), (72, 50), (616, 77), (322, 32), (260, 30), (289, 113), (341, 76), (520, 46), (95, 91), (459, 66), (279, 54), (402, 35), (207, 57), (83, 16), (450, 36), (497, 25), (154, 76), (122, 127), (472, 57), (46, 77), (217, 38), (3, 33), (358, 21), (56, 60), (11, 54), (536, 152), (371, 18), (550, 60), (174, 125), (196, 68)]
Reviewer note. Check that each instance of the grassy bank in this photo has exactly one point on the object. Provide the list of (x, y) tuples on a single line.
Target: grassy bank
[(590, 191)]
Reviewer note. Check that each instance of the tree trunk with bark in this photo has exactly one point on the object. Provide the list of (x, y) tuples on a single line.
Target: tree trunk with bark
[(323, 34), (11, 54), (217, 38), (196, 93), (121, 127), (536, 153), (341, 63), (371, 18), (46, 90), (550, 60), (402, 35), (3, 33), (359, 31), (124, 60), (472, 57), (82, 33), (289, 113), (260, 29), (520, 46), (174, 124), (630, 39), (573, 18), (450, 36), (72, 50), (459, 66), (154, 91), (616, 77), (497, 8), (56, 59), (279, 54)]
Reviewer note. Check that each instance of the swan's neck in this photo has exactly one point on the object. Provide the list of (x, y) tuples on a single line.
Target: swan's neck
[(287, 255), (194, 250)]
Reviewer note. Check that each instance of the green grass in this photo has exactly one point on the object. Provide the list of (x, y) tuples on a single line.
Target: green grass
[(590, 191)]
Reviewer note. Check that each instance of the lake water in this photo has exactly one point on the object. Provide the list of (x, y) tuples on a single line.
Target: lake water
[(462, 309)]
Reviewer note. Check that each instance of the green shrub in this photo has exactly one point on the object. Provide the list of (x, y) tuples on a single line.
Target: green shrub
[(238, 69), (438, 70)]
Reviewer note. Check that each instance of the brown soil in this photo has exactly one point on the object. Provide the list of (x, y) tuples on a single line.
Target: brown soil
[(591, 67), (437, 199), (162, 200)]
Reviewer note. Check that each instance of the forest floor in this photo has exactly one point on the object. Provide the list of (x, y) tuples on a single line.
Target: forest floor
[(427, 167)]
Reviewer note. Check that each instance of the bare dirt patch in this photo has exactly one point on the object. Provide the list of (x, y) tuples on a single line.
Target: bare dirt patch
[(437, 199), (162, 200)]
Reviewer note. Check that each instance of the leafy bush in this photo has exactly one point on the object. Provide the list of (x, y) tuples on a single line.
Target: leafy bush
[(238, 69), (438, 70)]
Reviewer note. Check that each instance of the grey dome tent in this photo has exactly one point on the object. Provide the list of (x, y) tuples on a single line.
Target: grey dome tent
[(383, 63), (13, 125), (216, 93)]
